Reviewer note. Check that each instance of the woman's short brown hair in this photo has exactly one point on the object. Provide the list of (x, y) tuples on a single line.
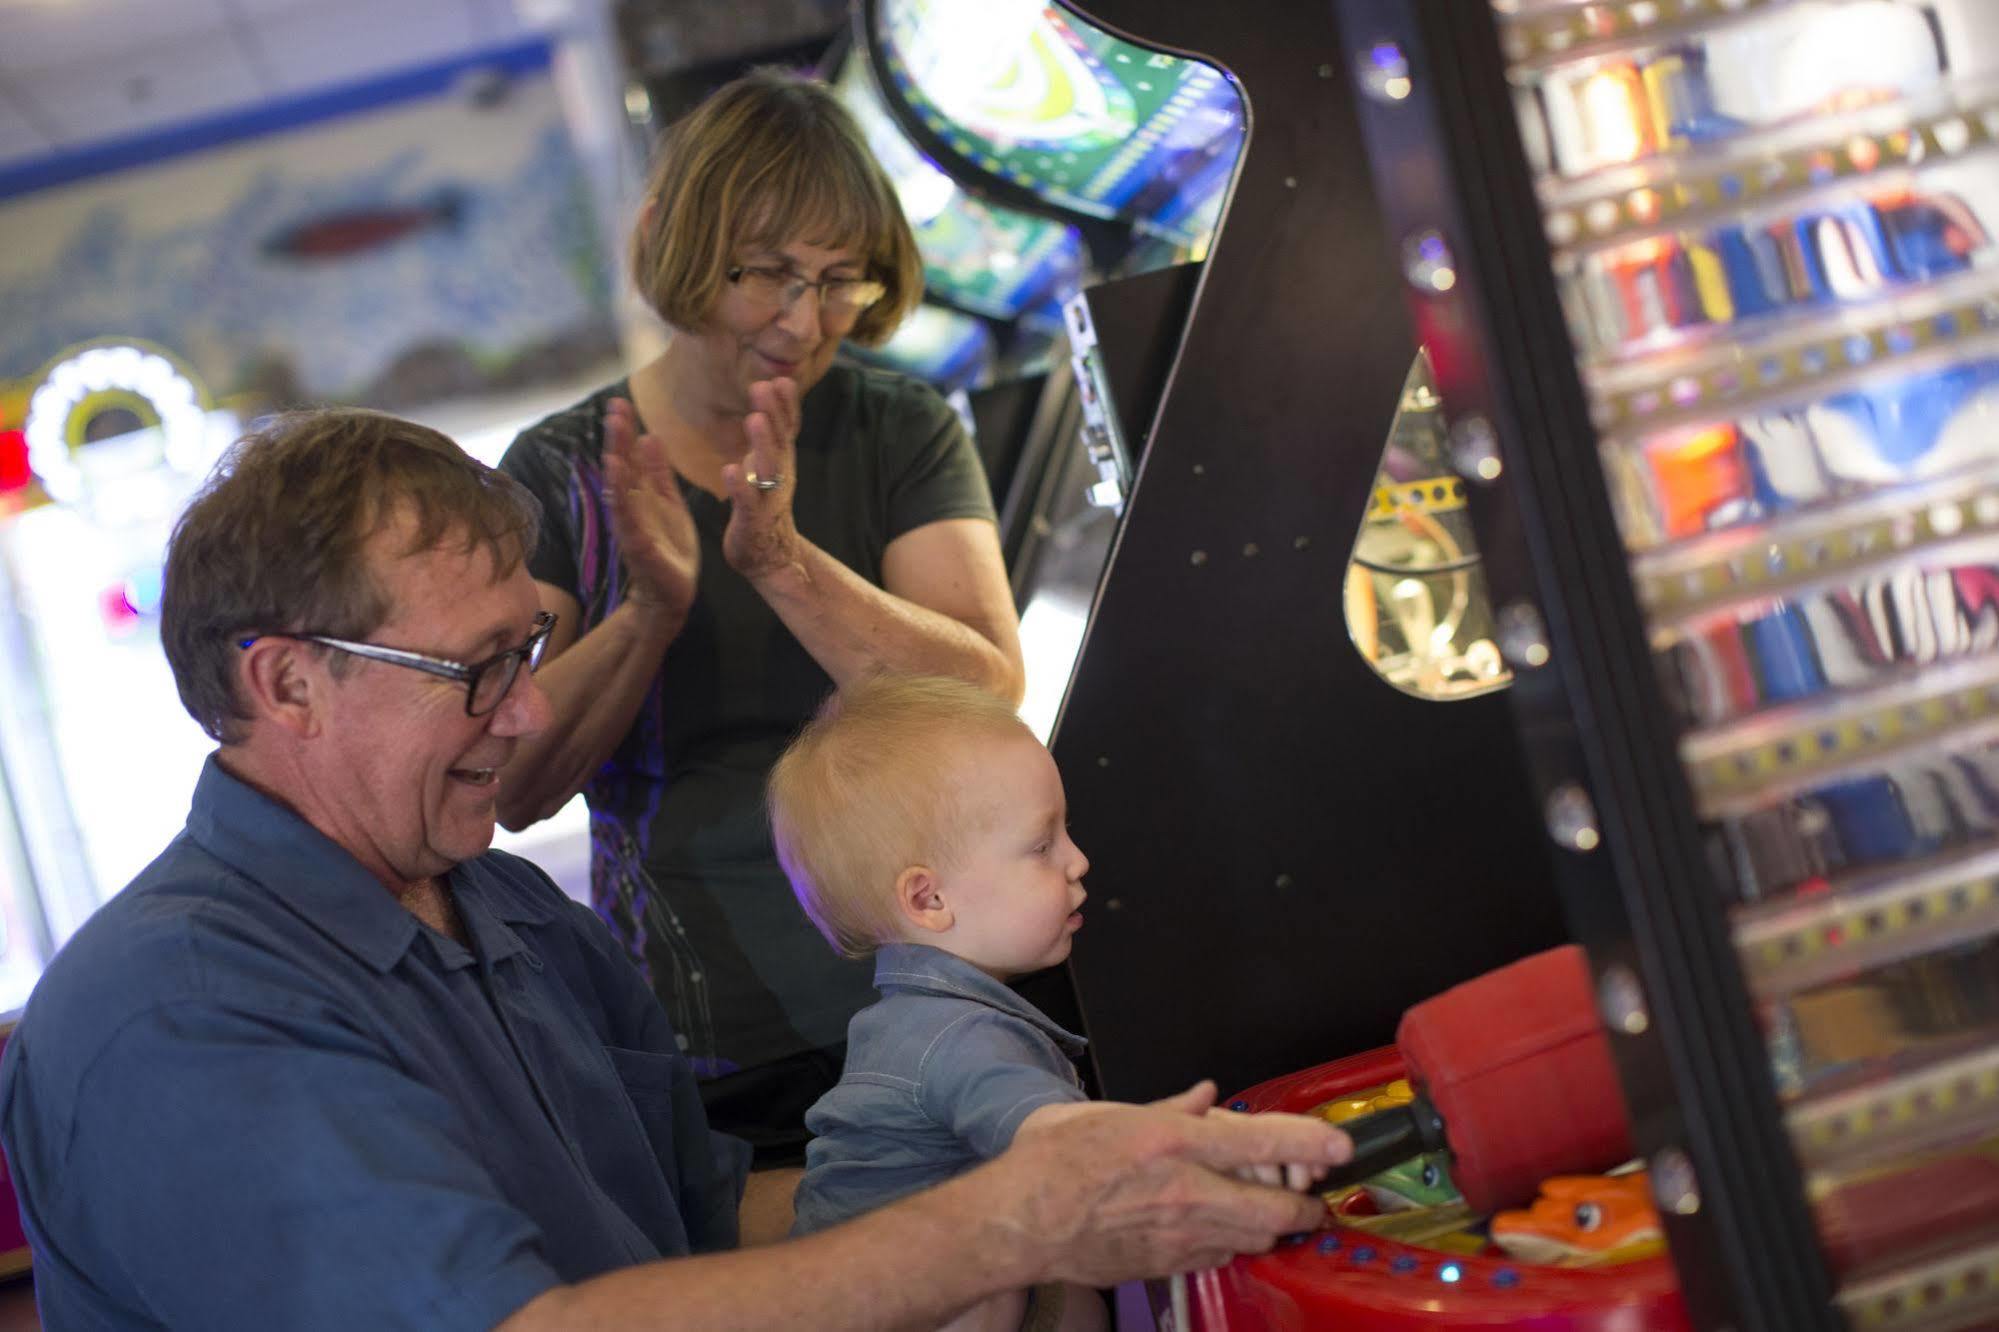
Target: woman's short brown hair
[(767, 160), (276, 539)]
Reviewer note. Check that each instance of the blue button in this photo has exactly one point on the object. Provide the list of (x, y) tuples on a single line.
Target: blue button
[(1505, 1277), (1238, 1105), (1330, 1244), (1364, 1254), (1403, 1263)]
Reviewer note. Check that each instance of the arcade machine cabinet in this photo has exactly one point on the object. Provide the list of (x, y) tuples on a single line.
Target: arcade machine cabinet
[(1290, 847)]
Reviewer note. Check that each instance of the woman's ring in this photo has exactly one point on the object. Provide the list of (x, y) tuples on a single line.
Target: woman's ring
[(763, 482)]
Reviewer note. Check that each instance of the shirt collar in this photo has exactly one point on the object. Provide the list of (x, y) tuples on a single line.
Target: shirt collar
[(922, 969), (489, 906), (315, 877)]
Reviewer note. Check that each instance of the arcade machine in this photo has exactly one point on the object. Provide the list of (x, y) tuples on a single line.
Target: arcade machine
[(1324, 735), (1707, 290), (27, 939), (113, 438), (1060, 178)]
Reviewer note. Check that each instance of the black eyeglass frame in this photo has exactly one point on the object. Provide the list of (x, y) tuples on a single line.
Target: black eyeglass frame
[(467, 674), (797, 284)]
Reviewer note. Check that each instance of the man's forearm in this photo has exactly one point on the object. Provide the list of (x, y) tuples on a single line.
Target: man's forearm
[(1096, 1198), (911, 1265), (765, 1214)]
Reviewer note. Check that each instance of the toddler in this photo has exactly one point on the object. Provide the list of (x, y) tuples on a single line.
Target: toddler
[(920, 821)]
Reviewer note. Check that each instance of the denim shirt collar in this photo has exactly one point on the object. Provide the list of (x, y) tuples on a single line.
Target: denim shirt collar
[(909, 968), (322, 882)]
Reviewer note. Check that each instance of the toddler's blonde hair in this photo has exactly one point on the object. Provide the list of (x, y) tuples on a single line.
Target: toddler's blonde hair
[(872, 786)]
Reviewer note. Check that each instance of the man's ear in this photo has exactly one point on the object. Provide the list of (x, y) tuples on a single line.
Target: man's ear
[(920, 898), (282, 684)]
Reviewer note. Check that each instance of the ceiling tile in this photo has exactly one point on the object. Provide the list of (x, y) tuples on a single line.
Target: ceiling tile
[(324, 44), (263, 9), (18, 138), (176, 80), (46, 34)]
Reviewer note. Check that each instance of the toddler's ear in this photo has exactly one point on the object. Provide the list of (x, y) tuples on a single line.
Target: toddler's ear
[(921, 900)]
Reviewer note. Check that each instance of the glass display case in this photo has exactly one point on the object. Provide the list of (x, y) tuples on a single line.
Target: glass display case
[(1729, 300)]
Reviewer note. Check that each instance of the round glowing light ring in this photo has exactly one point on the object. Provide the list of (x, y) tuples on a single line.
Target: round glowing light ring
[(58, 411)]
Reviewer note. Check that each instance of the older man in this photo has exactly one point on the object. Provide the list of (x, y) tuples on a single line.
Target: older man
[(330, 1062)]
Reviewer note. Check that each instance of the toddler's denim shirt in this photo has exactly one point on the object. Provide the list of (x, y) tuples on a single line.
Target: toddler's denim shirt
[(940, 1072)]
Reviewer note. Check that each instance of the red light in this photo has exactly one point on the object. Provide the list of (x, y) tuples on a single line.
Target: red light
[(14, 471), (120, 615)]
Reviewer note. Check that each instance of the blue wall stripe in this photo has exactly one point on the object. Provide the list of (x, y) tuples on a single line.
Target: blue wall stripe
[(155, 146)]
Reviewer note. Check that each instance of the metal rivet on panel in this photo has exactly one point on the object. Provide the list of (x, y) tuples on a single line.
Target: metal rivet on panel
[(1572, 818), (1621, 1000)]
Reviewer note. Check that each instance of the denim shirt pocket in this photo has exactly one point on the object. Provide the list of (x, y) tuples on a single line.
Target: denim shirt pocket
[(704, 1170), (648, 1076)]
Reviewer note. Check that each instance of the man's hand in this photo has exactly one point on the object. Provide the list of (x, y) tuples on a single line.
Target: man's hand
[(1144, 1191), (1296, 1176), (649, 518)]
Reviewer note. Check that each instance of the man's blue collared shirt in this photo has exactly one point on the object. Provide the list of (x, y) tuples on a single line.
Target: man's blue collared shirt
[(254, 1092), (941, 1070)]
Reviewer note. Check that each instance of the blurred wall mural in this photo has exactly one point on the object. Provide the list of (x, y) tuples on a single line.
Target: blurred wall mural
[(422, 238), (412, 243)]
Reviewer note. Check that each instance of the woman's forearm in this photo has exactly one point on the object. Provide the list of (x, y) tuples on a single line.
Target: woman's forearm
[(852, 628), (596, 686)]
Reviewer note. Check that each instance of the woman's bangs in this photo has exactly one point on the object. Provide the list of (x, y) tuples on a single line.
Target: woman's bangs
[(819, 207)]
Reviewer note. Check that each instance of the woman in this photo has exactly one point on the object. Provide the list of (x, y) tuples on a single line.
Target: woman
[(730, 533)]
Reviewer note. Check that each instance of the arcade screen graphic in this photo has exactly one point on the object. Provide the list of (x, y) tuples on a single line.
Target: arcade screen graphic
[(991, 261), (1085, 120)]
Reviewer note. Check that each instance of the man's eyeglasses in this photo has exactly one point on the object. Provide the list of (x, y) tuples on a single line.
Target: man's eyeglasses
[(841, 299), (486, 682)]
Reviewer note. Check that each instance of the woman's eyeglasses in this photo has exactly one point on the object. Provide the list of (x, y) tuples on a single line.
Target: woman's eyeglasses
[(841, 299)]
